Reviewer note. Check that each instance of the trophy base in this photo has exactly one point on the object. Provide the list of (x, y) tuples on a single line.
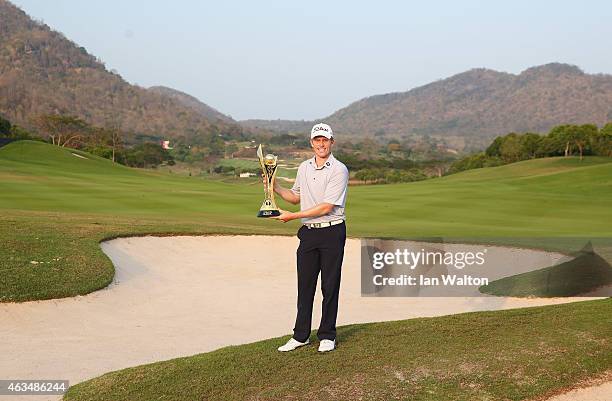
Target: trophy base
[(268, 213)]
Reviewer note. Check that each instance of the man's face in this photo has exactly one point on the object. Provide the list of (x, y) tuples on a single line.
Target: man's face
[(322, 146)]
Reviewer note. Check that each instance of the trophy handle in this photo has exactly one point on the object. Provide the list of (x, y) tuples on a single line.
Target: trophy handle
[(263, 167), (260, 155)]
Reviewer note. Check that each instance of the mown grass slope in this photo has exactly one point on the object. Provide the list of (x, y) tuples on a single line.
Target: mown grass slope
[(506, 355)]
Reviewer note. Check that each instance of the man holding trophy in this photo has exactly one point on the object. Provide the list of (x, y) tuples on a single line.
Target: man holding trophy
[(320, 188)]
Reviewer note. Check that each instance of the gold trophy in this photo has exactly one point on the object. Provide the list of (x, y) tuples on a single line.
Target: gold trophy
[(268, 165)]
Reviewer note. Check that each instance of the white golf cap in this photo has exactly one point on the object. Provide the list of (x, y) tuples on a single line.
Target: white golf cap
[(321, 130)]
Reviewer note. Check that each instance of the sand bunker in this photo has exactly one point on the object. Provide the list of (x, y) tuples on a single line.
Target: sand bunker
[(600, 392), (179, 296), (79, 156)]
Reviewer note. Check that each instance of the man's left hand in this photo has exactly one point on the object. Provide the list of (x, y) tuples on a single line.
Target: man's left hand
[(285, 216)]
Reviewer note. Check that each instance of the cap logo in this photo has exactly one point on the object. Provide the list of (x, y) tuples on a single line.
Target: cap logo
[(321, 129)]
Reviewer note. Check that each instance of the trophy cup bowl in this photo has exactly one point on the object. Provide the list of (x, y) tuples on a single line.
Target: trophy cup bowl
[(269, 165)]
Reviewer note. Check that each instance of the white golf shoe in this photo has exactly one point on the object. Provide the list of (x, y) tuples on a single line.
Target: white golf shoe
[(292, 344), (327, 345)]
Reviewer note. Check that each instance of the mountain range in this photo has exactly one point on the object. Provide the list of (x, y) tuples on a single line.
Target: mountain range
[(43, 72), (476, 104), (193, 103)]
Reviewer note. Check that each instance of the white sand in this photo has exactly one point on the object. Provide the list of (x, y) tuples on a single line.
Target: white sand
[(179, 296), (602, 392)]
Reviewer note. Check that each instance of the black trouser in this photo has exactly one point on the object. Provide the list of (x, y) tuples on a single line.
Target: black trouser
[(320, 250)]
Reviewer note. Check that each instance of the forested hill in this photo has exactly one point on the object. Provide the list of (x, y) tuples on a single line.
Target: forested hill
[(478, 103), (193, 103), (42, 72)]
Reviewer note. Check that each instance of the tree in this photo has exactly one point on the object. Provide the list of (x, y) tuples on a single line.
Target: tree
[(115, 139), (112, 133), (369, 148), (601, 144), (5, 127), (361, 176), (582, 136), (366, 175), (230, 149), (283, 139), (147, 155), (106, 142), (217, 146), (511, 148), (530, 144), (547, 147), (560, 139), (477, 160), (494, 148), (62, 130)]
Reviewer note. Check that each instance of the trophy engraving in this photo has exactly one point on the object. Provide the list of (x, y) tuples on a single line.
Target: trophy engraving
[(268, 165)]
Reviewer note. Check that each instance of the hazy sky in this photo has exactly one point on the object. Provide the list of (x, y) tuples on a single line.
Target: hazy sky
[(303, 60)]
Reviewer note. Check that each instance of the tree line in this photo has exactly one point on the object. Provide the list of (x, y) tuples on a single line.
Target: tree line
[(108, 142), (383, 168), (563, 140), (128, 148)]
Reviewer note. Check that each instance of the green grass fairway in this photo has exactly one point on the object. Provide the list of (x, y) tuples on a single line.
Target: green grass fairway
[(542, 197), (254, 164), (56, 208), (506, 355)]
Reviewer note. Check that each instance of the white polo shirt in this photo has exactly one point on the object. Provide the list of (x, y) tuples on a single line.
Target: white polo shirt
[(325, 184)]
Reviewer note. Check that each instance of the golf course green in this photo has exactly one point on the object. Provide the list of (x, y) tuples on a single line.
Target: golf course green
[(58, 204)]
